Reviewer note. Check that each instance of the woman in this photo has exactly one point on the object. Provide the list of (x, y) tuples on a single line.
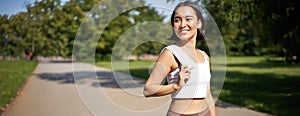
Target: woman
[(186, 67)]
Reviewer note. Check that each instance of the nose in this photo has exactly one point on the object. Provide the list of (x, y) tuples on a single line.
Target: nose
[(183, 24)]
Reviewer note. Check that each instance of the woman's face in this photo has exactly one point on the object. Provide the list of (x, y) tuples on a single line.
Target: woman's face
[(186, 23)]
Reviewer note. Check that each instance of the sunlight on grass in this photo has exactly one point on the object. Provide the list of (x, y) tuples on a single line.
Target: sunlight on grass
[(261, 84)]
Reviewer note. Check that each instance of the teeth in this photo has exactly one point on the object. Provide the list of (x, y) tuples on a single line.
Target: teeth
[(185, 30)]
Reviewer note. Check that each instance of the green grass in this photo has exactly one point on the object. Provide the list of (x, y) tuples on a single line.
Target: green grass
[(264, 84), (12, 76)]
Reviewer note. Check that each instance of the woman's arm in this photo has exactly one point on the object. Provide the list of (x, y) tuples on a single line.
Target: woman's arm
[(162, 67), (210, 101), (165, 63), (213, 111)]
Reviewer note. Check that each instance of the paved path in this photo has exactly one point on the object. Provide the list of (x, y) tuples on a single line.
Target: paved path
[(53, 90)]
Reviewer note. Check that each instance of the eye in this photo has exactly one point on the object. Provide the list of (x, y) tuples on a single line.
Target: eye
[(177, 20), (189, 19)]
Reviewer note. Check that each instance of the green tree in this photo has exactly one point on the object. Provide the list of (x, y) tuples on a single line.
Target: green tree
[(122, 23), (280, 27), (234, 21), (4, 27), (49, 28), (17, 34)]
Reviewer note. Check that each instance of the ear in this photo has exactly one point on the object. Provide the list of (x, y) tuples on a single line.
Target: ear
[(199, 24)]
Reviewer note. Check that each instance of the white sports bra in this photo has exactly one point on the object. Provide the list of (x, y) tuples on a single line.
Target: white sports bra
[(200, 75)]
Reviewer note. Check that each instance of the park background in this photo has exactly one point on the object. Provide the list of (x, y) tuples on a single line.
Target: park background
[(261, 40)]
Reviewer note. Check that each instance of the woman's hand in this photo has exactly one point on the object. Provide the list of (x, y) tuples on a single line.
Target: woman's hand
[(184, 76)]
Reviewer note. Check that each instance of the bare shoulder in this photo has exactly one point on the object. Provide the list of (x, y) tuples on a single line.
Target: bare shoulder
[(166, 55), (205, 55), (167, 59)]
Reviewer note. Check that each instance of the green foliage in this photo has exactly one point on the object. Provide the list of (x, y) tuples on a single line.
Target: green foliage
[(144, 38), (281, 20), (253, 27), (13, 76), (48, 28), (234, 20), (109, 20), (131, 29)]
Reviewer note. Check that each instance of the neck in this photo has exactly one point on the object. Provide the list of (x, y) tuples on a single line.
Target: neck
[(190, 44)]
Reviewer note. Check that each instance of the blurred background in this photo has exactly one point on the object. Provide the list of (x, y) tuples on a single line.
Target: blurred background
[(261, 39), (48, 27)]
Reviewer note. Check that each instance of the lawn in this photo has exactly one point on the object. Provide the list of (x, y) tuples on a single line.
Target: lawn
[(264, 84), (13, 75)]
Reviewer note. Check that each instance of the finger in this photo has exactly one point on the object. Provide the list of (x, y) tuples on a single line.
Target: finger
[(188, 71), (185, 68), (186, 78), (188, 75)]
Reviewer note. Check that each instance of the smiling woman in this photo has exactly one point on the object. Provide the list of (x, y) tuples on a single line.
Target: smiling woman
[(187, 19), (185, 66)]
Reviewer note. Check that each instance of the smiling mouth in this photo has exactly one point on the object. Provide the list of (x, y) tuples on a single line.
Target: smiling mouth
[(184, 31)]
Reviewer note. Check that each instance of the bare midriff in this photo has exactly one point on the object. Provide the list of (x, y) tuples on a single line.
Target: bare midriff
[(188, 106)]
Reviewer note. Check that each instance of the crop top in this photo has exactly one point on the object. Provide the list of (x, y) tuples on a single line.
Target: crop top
[(200, 75)]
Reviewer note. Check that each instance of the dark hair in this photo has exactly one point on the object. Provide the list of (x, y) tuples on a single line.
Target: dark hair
[(200, 32)]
